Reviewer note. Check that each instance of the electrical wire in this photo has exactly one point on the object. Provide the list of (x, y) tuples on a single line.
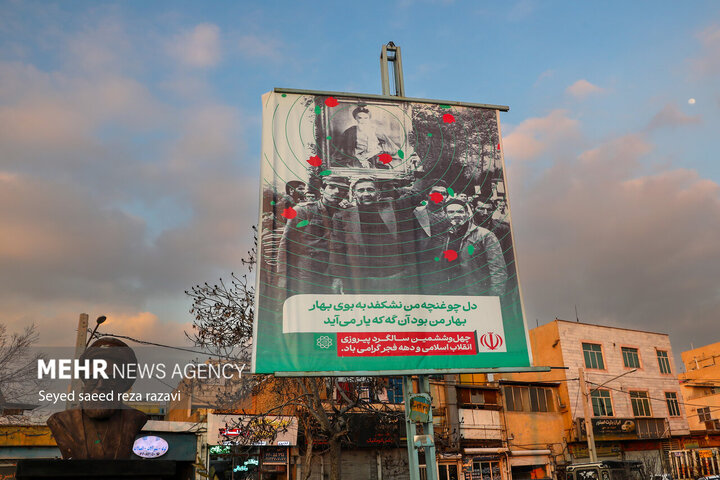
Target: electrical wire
[(655, 398), (183, 349)]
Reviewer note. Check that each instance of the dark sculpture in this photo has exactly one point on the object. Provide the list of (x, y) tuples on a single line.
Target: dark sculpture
[(100, 429)]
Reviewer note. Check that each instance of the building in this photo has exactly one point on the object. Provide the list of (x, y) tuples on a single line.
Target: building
[(701, 389), (492, 427), (634, 397), (700, 384)]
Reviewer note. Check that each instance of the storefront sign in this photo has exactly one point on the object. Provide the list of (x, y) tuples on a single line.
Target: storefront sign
[(275, 456), (610, 428), (374, 431), (252, 430), (420, 406), (150, 447), (220, 449)]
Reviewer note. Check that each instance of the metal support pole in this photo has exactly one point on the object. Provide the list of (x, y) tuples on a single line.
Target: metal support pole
[(391, 53), (410, 430), (588, 417), (430, 466)]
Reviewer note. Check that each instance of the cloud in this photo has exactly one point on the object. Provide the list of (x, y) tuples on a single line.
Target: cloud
[(544, 75), (199, 48), (629, 249), (51, 122), (582, 89), (670, 117), (707, 64), (267, 48), (120, 200), (535, 136)]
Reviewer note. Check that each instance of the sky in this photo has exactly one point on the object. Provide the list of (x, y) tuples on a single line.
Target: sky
[(130, 147)]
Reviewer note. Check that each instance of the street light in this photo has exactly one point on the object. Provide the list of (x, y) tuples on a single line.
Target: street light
[(100, 320)]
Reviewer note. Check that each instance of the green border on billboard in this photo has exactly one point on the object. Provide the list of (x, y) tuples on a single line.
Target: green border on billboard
[(290, 352)]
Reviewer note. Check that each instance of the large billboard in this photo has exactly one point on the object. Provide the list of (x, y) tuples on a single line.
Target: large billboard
[(384, 241)]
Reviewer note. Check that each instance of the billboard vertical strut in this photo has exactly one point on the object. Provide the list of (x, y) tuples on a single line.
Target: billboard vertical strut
[(391, 53)]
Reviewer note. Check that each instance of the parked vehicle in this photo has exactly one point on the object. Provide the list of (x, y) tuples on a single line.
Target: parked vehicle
[(661, 476), (606, 470)]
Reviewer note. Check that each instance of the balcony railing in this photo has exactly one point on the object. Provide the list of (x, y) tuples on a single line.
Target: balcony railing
[(480, 424)]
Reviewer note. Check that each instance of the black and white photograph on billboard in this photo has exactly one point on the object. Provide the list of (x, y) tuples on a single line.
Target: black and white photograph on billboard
[(370, 136)]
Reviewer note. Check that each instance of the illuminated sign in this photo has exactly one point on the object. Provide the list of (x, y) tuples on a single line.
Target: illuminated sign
[(220, 449), (150, 447)]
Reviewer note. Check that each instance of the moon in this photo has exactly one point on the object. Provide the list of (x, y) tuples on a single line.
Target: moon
[(691, 101)]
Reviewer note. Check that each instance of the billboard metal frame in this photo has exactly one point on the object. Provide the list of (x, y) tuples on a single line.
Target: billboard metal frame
[(394, 98), (395, 372)]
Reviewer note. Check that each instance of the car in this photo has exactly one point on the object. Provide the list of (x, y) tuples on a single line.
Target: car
[(710, 477), (661, 476)]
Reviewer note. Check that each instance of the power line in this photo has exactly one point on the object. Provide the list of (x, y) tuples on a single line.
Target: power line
[(172, 347), (655, 398)]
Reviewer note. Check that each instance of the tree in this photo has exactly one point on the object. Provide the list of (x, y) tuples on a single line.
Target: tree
[(223, 318), (18, 364)]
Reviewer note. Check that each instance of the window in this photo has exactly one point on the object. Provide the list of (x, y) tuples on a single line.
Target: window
[(630, 357), (486, 470), (477, 397), (704, 414), (663, 361), (640, 404), (529, 399), (447, 472), (602, 405), (672, 404), (395, 390), (593, 356)]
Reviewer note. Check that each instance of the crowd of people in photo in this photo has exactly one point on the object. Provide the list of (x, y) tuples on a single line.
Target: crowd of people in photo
[(368, 235)]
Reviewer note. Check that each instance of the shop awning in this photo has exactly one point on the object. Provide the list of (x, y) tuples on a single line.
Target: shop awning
[(529, 457)]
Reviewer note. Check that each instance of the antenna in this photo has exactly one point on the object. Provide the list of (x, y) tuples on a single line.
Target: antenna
[(577, 319)]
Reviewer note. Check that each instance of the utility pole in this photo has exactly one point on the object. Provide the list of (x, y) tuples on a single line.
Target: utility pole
[(588, 416), (391, 53), (80, 343)]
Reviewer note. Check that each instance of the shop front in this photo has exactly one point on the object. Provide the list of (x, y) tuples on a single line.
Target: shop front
[(485, 464), (245, 447), (531, 464)]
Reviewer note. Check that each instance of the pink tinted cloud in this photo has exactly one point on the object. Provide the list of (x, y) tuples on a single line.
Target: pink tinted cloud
[(629, 249), (535, 136), (198, 48), (670, 117), (707, 63), (582, 89)]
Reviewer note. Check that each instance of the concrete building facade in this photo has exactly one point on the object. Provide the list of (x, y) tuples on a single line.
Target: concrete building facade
[(633, 393)]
